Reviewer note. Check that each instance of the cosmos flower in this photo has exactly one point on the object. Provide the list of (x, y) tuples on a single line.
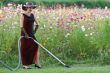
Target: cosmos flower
[(67, 35), (86, 35), (83, 28)]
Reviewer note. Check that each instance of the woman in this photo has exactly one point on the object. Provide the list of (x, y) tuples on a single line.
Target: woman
[(29, 49)]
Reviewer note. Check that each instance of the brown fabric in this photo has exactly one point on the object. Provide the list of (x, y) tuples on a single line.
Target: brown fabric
[(29, 48)]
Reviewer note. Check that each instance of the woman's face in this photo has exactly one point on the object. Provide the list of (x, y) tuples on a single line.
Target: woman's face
[(29, 9)]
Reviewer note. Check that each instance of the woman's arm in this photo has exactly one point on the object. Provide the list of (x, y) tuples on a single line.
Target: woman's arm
[(21, 20), (36, 25), (21, 25)]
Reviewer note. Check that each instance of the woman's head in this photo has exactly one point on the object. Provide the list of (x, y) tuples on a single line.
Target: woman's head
[(28, 6)]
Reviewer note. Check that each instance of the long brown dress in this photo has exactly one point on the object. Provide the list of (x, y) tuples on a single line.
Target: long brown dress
[(29, 48)]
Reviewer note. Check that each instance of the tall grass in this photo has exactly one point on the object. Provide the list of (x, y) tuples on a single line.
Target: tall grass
[(81, 43)]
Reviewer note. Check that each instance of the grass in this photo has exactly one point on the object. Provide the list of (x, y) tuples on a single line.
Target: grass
[(73, 69), (68, 41)]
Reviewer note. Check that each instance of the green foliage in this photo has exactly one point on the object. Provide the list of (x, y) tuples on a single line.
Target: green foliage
[(87, 3), (68, 45), (103, 43)]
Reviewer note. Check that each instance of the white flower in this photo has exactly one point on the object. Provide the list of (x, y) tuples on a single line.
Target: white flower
[(91, 33), (51, 27), (88, 28), (86, 34), (67, 34), (83, 28), (44, 26), (106, 7)]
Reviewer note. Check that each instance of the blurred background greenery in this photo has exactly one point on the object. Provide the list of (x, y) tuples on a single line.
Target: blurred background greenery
[(87, 3)]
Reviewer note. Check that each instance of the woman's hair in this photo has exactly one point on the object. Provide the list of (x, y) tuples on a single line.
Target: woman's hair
[(24, 8)]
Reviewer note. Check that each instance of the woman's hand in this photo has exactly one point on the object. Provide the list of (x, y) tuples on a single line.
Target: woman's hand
[(36, 27), (26, 35)]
